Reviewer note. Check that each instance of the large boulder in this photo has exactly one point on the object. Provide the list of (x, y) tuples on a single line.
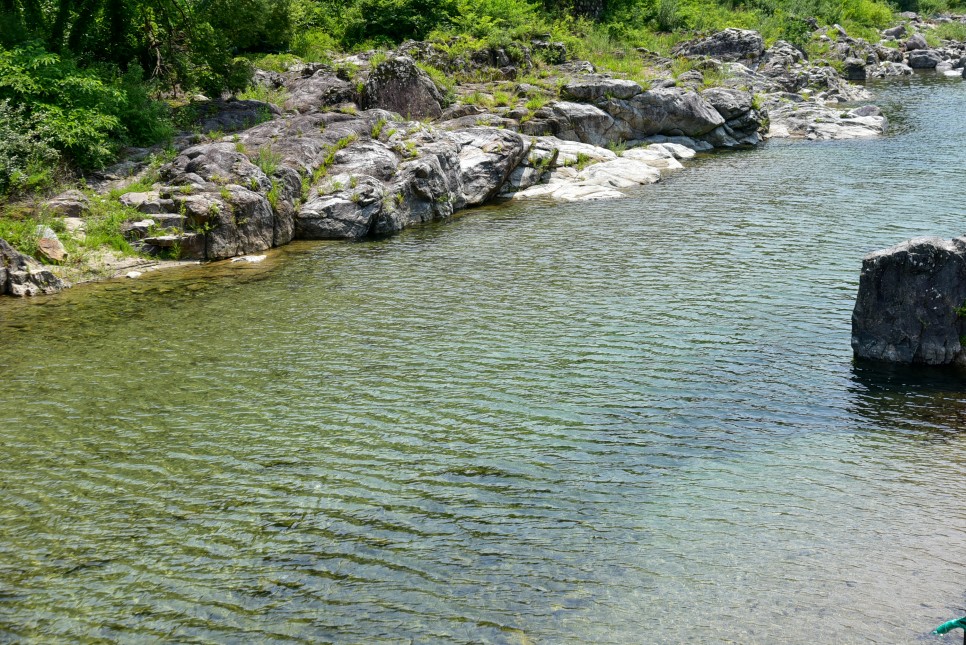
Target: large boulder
[(894, 32), (728, 45), (398, 85), (580, 122), (670, 111), (21, 275), (916, 41), (924, 59), (910, 304), (231, 115), (487, 156), (321, 89), (853, 69), (344, 214)]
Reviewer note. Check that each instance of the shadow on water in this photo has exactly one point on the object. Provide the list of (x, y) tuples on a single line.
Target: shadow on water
[(907, 399)]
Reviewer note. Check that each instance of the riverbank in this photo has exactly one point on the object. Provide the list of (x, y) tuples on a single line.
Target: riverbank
[(334, 159)]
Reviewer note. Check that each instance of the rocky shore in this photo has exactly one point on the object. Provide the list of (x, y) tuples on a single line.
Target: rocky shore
[(372, 144)]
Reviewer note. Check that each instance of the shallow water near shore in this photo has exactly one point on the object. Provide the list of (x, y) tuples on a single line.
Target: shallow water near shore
[(618, 422)]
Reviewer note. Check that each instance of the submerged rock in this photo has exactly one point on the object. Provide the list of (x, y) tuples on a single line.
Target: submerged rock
[(911, 303)]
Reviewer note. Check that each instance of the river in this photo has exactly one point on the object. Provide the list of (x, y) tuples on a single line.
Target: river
[(631, 421)]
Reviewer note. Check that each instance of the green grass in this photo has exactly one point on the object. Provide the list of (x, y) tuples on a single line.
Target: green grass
[(268, 95), (275, 62), (20, 232), (951, 31), (478, 98), (268, 160), (445, 84), (377, 128), (104, 225), (536, 103)]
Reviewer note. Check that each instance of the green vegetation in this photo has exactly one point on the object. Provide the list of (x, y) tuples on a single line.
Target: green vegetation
[(268, 160)]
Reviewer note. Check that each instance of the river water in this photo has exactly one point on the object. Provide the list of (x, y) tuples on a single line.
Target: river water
[(633, 421)]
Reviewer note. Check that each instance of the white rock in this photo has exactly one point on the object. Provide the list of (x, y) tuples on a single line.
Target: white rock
[(662, 160), (254, 259), (568, 151), (619, 173), (675, 149), (133, 274)]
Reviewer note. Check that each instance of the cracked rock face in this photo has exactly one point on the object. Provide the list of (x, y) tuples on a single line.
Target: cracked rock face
[(818, 122), (728, 45), (908, 304), (21, 275)]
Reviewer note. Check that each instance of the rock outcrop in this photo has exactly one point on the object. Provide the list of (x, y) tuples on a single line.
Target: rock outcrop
[(911, 303), (804, 120), (21, 275), (728, 45)]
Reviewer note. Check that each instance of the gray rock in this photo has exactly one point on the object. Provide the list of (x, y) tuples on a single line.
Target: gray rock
[(341, 216), (72, 203), (730, 103), (231, 115), (149, 203), (888, 69), (398, 85), (585, 123), (592, 88), (185, 246), (728, 45), (241, 223), (895, 32), (818, 122), (671, 111), (487, 157), (916, 41), (888, 54), (854, 69), (21, 275), (924, 59), (906, 307), (692, 78), (321, 89)]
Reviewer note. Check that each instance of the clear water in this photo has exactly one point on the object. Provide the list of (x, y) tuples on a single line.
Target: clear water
[(622, 422)]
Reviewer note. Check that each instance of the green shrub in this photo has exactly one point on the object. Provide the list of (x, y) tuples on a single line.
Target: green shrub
[(314, 46), (20, 233), (84, 113), (27, 157), (390, 21)]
